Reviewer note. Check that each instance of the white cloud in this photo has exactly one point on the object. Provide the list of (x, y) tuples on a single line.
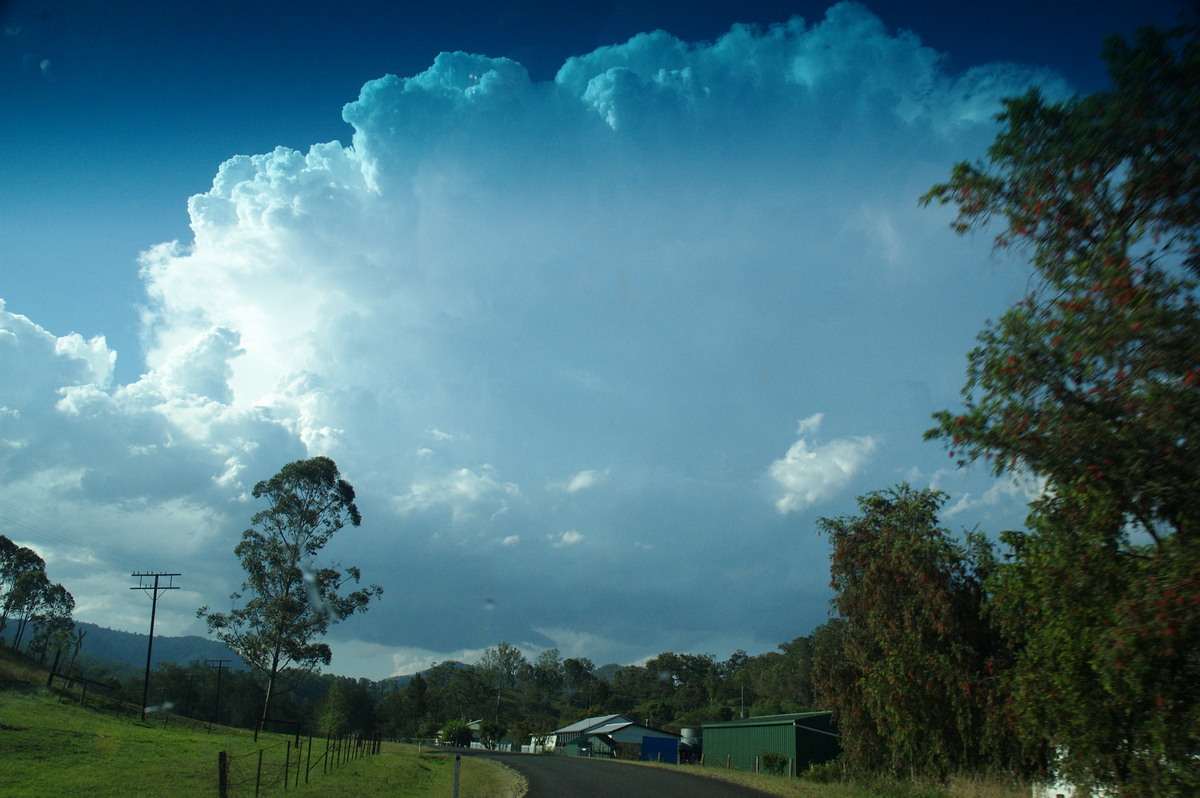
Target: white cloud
[(642, 263), (810, 473), (572, 537), (463, 491), (585, 479)]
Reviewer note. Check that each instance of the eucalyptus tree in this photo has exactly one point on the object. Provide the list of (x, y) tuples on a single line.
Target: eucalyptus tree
[(16, 562), (289, 599)]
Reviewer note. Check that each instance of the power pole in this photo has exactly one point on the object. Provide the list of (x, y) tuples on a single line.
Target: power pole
[(221, 665), (155, 591)]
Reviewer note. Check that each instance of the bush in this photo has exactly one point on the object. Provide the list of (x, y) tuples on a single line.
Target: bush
[(456, 733), (825, 773), (773, 762)]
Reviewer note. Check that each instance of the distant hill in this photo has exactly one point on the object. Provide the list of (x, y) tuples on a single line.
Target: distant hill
[(129, 648)]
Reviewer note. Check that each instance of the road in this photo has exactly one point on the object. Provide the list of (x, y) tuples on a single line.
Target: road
[(575, 777)]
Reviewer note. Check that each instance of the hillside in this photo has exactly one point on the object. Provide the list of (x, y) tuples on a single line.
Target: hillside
[(124, 653)]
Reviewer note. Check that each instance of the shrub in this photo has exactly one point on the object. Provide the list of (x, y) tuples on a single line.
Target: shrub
[(773, 762)]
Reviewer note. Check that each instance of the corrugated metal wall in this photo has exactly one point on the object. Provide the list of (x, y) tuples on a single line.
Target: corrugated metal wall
[(739, 746)]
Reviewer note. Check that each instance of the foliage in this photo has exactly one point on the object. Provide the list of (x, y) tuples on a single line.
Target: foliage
[(1092, 385), (490, 734), (456, 733), (773, 762), (290, 599), (501, 666), (332, 719), (19, 568), (907, 670), (29, 595)]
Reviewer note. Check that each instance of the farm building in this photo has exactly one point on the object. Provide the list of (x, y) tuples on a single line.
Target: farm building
[(605, 735), (805, 738)]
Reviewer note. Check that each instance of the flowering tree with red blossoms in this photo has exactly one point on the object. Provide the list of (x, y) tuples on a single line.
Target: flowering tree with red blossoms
[(1092, 385), (909, 664)]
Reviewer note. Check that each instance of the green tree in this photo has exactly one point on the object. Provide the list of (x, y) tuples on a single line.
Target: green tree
[(579, 675), (490, 734), (1092, 384), (456, 733), (55, 628), (332, 713), (290, 600), (15, 562), (909, 681), (501, 665)]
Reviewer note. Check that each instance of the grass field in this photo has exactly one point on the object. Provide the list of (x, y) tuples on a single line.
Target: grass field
[(52, 746)]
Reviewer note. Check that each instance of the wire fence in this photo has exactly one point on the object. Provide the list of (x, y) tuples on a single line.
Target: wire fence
[(276, 768)]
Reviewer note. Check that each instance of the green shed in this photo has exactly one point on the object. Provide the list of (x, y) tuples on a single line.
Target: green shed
[(804, 738)]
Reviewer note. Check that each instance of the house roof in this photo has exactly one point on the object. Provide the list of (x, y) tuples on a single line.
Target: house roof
[(592, 724), (790, 719)]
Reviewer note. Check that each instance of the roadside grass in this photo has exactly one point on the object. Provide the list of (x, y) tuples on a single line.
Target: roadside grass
[(788, 787), (54, 747)]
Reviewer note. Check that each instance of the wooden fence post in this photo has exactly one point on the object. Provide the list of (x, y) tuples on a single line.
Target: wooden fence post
[(222, 774)]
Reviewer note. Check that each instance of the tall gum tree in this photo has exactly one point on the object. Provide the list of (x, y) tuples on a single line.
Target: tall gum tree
[(908, 665), (289, 599), (1092, 383)]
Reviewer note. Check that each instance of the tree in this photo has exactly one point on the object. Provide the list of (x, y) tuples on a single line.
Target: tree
[(491, 732), (15, 562), (55, 626), (1092, 385), (501, 664), (331, 714), (578, 677), (290, 600), (456, 733), (908, 676)]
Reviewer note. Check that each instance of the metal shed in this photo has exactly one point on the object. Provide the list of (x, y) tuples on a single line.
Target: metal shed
[(805, 738)]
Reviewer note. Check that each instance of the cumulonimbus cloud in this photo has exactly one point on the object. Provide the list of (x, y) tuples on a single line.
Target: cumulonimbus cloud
[(645, 263)]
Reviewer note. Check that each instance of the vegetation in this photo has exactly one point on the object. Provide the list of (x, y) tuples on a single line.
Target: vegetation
[(908, 667), (53, 746), (28, 595), (1092, 385), (290, 600)]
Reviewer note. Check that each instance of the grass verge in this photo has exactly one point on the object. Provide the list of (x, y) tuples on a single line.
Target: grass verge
[(52, 746), (801, 788)]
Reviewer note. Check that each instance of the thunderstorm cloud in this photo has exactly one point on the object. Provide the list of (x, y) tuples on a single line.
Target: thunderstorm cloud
[(583, 313)]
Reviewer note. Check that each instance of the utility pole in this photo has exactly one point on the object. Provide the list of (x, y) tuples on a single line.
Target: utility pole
[(221, 665), (155, 591)]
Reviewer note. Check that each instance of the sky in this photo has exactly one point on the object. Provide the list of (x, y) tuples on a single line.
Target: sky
[(599, 307)]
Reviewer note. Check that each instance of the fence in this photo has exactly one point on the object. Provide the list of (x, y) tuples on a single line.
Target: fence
[(278, 767)]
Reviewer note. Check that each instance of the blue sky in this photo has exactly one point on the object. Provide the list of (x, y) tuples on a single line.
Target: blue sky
[(597, 320)]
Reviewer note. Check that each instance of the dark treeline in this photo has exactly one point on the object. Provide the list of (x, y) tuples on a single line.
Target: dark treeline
[(517, 696)]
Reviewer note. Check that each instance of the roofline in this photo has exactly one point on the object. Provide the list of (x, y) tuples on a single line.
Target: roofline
[(791, 718)]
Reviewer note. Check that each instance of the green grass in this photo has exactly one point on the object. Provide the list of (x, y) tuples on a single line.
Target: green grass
[(801, 788), (54, 747)]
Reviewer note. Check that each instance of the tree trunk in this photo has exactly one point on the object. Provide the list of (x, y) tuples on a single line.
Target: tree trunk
[(266, 713)]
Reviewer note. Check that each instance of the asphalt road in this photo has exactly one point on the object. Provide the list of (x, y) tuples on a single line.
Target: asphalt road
[(575, 777)]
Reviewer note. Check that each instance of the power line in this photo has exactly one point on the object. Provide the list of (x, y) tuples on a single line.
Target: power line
[(18, 518)]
